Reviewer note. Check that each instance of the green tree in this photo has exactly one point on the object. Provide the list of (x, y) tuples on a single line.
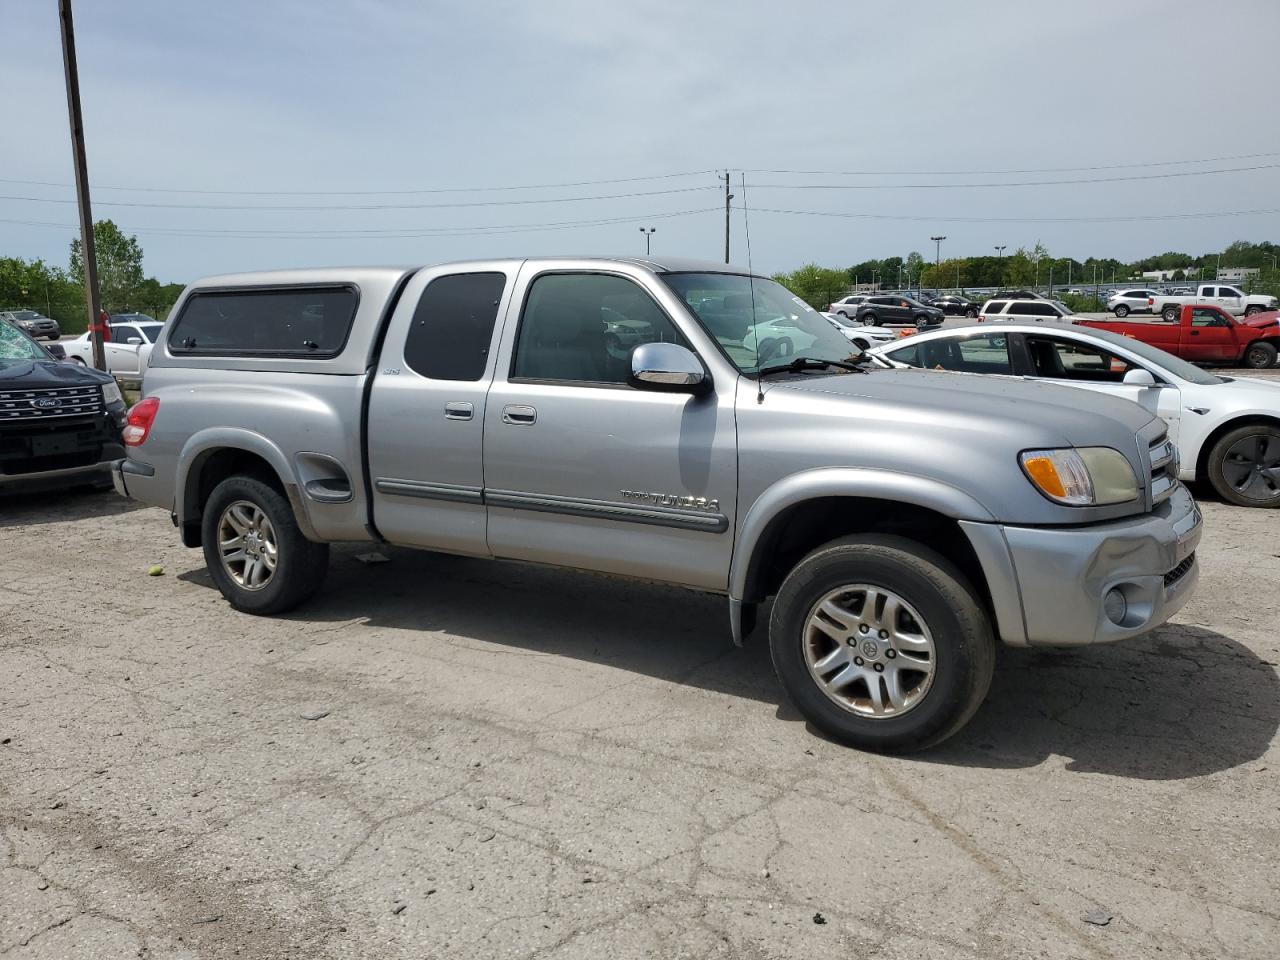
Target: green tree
[(815, 285), (119, 264)]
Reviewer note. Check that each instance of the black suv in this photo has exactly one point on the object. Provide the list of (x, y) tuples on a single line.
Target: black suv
[(897, 310), (59, 422), (954, 305)]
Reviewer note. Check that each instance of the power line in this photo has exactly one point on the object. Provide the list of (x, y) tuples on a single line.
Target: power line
[(936, 219), (369, 206), (983, 173), (368, 193), (405, 233), (1018, 183)]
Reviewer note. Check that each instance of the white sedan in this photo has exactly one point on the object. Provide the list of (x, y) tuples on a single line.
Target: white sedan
[(1227, 429), (127, 351), (864, 336)]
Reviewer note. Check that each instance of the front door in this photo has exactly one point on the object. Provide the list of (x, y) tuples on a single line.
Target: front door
[(582, 469), (1211, 337), (427, 409)]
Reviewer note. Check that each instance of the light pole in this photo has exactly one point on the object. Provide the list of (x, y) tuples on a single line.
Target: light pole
[(937, 259), (648, 232), (1000, 270), (1273, 261)]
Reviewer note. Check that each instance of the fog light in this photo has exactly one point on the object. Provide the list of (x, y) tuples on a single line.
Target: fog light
[(1115, 606)]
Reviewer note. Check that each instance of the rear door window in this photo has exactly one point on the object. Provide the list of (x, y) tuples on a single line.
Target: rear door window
[(288, 322), (1030, 308), (452, 328)]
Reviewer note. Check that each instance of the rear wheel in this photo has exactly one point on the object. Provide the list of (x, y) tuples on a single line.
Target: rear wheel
[(881, 643), (1250, 311), (1169, 314), (971, 312), (1259, 355), (254, 549), (1121, 310), (1244, 466)]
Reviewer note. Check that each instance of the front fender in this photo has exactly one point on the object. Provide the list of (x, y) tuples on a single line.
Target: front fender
[(840, 482)]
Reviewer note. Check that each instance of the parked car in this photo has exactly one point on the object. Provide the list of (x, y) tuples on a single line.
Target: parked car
[(127, 350), (1227, 430), (861, 335), (1124, 302), (1026, 311), (954, 305), (1204, 334), (1017, 295), (59, 423), (474, 408), (1231, 299), (33, 323), (848, 306), (897, 310)]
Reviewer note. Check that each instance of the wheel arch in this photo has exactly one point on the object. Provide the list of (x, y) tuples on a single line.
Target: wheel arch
[(1221, 430)]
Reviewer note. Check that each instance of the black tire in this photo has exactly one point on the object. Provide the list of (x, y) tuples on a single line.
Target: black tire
[(1121, 311), (1170, 314), (1221, 473), (869, 319), (971, 313), (1259, 355), (964, 644), (300, 564), (1250, 311)]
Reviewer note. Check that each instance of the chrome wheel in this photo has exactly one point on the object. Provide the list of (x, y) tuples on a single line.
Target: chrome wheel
[(247, 545), (1252, 467), (869, 651)]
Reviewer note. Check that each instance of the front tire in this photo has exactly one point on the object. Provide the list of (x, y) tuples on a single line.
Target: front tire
[(870, 319), (1121, 311), (881, 643), (1259, 355), (1244, 466), (255, 550)]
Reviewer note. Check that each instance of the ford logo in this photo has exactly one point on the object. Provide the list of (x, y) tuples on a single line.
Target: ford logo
[(46, 403)]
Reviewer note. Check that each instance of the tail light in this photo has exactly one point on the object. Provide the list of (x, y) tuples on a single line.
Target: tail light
[(138, 421), (1151, 301)]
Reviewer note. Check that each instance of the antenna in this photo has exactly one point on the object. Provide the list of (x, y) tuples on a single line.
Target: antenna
[(751, 285)]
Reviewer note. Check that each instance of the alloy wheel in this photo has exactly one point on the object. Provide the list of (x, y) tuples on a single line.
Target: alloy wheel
[(247, 545), (1252, 467)]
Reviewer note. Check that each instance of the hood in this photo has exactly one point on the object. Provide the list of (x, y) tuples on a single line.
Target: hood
[(1266, 319), (1040, 413), (35, 374)]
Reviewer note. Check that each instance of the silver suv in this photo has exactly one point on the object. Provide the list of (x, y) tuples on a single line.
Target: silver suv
[(901, 523)]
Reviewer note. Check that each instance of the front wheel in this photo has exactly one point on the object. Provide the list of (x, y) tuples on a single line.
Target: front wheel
[(1121, 311), (870, 319), (254, 549), (1259, 355), (881, 643), (1244, 466)]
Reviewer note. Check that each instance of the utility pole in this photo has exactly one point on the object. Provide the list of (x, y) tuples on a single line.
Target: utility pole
[(648, 232), (1000, 253), (727, 197), (90, 254), (937, 259)]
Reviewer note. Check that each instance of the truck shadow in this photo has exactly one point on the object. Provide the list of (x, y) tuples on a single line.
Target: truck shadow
[(1184, 702), (29, 509)]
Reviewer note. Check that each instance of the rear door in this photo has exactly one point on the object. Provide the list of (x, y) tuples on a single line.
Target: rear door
[(427, 408), (1210, 337)]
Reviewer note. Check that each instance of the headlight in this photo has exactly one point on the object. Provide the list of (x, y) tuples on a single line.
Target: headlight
[(1081, 477), (111, 393)]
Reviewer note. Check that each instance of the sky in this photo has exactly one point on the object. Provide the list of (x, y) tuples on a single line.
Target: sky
[(287, 133)]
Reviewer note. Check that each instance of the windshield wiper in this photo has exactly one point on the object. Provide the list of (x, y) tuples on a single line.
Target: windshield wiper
[(808, 363)]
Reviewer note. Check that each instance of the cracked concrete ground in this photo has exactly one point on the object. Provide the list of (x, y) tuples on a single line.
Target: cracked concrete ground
[(521, 762)]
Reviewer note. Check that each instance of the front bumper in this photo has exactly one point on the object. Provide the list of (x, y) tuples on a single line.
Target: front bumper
[(1054, 579)]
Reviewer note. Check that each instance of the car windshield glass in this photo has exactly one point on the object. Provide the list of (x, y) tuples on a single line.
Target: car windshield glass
[(839, 320), (757, 322), (1144, 351), (16, 345), (25, 314)]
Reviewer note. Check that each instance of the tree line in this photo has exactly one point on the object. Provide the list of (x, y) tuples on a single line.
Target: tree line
[(58, 292)]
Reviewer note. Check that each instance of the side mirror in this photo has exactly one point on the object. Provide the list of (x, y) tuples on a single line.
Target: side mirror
[(58, 350), (132, 341), (1139, 377), (668, 367)]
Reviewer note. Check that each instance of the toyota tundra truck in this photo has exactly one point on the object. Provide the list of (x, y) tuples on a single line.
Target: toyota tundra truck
[(1231, 299), (900, 528)]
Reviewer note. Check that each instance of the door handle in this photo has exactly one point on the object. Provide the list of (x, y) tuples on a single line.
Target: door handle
[(519, 414), (457, 410), (1195, 333)]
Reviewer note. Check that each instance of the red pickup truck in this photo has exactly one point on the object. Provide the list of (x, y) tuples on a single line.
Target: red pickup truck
[(1205, 334)]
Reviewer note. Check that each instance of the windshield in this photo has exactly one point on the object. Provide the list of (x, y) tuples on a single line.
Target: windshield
[(757, 322), (839, 320), (16, 345)]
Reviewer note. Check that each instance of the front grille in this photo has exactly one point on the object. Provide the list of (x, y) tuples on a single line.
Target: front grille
[(1164, 468), (50, 403), (1180, 571)]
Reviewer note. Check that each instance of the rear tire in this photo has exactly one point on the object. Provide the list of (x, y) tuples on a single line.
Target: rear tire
[(1121, 311), (1238, 466), (1169, 314), (297, 566), (971, 313), (1259, 355), (935, 608), (1250, 311)]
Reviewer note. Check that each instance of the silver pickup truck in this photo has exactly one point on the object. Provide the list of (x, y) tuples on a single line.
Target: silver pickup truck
[(675, 421)]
